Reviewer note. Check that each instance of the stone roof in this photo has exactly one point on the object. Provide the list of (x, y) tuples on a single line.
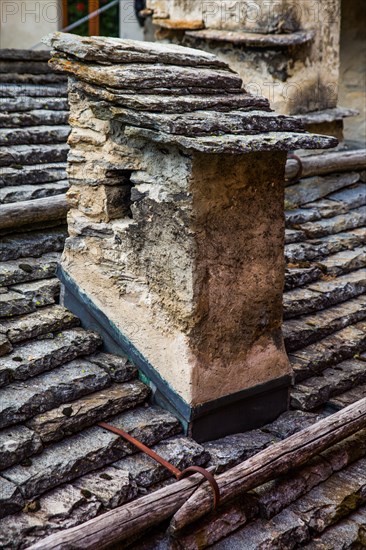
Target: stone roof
[(59, 469)]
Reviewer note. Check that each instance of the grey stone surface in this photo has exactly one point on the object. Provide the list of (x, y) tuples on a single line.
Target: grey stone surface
[(9, 90), (179, 451), (44, 321), (12, 303), (33, 244), (94, 448), (119, 368), (353, 197), (307, 329), (22, 400), (317, 249), (30, 359), (311, 189), (111, 486), (11, 499), (17, 443), (33, 174), (348, 397), (301, 276), (41, 293), (35, 117), (320, 295), (321, 228), (30, 192), (26, 103), (284, 531), (314, 359), (34, 135), (345, 261), (232, 449), (5, 345), (316, 391), (333, 499), (72, 417), (28, 269), (290, 422)]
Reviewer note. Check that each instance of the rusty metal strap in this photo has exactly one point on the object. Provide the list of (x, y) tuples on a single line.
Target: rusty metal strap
[(299, 172), (170, 467)]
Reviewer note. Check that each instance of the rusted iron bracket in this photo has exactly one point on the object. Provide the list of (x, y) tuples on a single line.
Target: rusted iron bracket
[(299, 172), (178, 474)]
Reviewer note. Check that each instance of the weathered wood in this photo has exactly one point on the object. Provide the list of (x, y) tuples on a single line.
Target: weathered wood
[(339, 161), (255, 40), (125, 522), (33, 211), (274, 461), (133, 518)]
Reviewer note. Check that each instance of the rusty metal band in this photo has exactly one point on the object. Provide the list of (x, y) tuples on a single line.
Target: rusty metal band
[(299, 172), (170, 467)]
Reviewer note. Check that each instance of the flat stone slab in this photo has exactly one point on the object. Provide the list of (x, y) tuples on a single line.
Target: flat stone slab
[(251, 39), (28, 269), (33, 174), (318, 249), (233, 449), (291, 422), (11, 499), (30, 359), (17, 443), (348, 397), (30, 192), (337, 224), (308, 329), (13, 303), (323, 294), (34, 135), (297, 276), (119, 368), (44, 321), (22, 400), (316, 391), (37, 117), (340, 346), (94, 448), (179, 451), (41, 293), (13, 90), (22, 155), (34, 244), (111, 486), (311, 189), (24, 104), (72, 417), (351, 530)]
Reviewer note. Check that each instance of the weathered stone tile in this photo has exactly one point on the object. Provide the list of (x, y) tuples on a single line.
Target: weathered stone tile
[(233, 449), (181, 452), (42, 293), (35, 135), (286, 530), (291, 422), (333, 349), (323, 294), (17, 443), (353, 197), (18, 193), (12, 303), (309, 328), (301, 276), (337, 224), (295, 216), (30, 359), (335, 498), (43, 321), (317, 249), (25, 154), (5, 345), (34, 117), (72, 417), (15, 272), (22, 400), (33, 174), (33, 244), (111, 486), (316, 391), (90, 450), (345, 261), (11, 499), (119, 368), (348, 397), (327, 208), (294, 236), (311, 189)]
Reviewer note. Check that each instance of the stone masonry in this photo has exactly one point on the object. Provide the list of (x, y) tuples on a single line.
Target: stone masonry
[(176, 223)]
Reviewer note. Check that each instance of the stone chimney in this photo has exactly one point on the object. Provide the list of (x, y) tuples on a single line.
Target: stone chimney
[(176, 225)]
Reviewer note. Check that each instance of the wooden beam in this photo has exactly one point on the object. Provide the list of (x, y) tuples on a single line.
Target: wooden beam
[(94, 22), (326, 163), (188, 504), (65, 13), (33, 211)]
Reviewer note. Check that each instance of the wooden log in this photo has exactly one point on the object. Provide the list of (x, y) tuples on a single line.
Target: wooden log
[(136, 517), (327, 163), (274, 461), (33, 211)]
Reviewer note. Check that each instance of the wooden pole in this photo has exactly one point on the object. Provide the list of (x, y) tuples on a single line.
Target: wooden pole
[(33, 211), (326, 163), (65, 14), (94, 22), (135, 517)]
